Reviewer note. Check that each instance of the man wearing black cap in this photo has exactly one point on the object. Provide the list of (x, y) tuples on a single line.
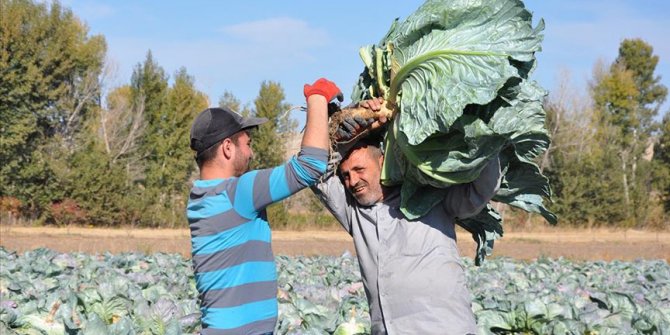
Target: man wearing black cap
[(230, 237)]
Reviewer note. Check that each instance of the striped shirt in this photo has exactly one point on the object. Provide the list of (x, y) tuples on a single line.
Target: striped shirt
[(232, 258)]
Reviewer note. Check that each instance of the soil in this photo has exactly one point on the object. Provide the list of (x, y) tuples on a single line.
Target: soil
[(597, 244)]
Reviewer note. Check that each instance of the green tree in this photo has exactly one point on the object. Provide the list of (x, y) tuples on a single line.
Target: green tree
[(574, 157), (638, 56), (104, 171), (49, 86), (267, 142), (168, 162), (136, 184), (615, 98), (99, 187), (229, 100), (626, 99), (172, 159), (149, 89), (662, 163)]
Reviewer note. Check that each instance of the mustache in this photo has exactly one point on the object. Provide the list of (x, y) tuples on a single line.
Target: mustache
[(357, 185)]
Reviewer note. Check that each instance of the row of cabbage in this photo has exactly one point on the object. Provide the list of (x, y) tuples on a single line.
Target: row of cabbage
[(46, 292)]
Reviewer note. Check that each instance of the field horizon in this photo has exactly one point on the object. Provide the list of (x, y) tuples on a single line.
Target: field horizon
[(528, 244)]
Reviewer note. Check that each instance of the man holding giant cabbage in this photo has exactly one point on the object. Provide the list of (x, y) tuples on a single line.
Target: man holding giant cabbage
[(412, 272), (465, 125)]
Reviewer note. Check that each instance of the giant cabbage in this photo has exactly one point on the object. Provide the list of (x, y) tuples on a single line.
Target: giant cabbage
[(456, 75)]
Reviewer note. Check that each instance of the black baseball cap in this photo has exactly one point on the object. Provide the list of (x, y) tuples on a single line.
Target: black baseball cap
[(215, 124)]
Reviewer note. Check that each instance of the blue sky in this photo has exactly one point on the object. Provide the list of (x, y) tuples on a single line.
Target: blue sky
[(235, 45)]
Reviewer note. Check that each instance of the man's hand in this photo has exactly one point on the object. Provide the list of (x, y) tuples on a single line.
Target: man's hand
[(353, 126), (325, 88), (317, 97)]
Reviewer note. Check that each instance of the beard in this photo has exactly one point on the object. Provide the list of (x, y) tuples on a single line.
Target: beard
[(241, 165), (369, 197)]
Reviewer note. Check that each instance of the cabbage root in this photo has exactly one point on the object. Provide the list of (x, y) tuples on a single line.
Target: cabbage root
[(350, 112)]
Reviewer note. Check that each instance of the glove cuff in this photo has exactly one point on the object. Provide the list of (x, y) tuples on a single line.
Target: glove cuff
[(317, 91)]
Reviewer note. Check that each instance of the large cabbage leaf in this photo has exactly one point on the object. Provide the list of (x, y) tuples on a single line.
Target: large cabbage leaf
[(456, 74), (447, 55)]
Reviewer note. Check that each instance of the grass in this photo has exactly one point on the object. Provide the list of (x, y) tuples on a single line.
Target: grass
[(307, 221)]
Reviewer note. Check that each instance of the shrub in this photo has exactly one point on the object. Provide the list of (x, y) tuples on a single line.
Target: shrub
[(67, 212)]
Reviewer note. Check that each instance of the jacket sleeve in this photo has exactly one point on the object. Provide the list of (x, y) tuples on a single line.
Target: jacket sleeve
[(466, 200), (268, 186), (332, 194)]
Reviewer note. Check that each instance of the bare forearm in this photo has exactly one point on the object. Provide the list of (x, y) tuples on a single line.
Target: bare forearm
[(316, 125)]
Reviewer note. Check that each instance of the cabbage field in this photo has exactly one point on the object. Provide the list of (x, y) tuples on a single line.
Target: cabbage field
[(46, 292)]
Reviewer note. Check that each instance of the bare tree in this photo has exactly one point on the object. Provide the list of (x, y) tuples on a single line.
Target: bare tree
[(121, 125), (570, 115), (82, 97)]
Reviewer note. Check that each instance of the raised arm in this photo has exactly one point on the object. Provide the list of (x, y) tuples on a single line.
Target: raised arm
[(271, 185), (332, 194), (316, 127), (469, 199), (330, 190)]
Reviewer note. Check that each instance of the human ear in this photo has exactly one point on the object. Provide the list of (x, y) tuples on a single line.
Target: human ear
[(227, 147)]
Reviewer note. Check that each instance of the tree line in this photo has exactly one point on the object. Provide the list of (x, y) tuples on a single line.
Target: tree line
[(74, 151), (609, 161)]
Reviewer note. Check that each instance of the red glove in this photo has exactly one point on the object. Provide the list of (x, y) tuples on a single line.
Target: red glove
[(325, 88)]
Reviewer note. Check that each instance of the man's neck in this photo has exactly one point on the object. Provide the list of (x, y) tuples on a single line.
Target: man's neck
[(208, 173)]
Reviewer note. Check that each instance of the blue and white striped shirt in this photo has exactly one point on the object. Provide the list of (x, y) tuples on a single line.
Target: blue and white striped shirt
[(230, 243)]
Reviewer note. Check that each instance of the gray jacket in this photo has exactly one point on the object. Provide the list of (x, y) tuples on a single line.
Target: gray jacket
[(412, 271)]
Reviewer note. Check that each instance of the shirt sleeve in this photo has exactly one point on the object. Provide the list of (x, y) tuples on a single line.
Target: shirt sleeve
[(466, 200), (332, 194), (257, 189)]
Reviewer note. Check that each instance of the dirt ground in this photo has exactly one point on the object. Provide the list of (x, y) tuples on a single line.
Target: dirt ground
[(597, 244)]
